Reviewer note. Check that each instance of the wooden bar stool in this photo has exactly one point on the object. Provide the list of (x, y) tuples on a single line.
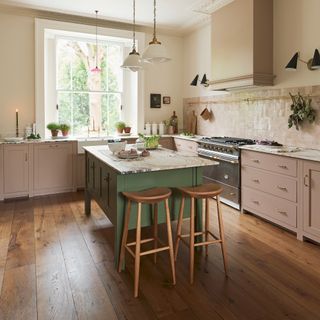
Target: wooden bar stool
[(153, 197), (205, 192)]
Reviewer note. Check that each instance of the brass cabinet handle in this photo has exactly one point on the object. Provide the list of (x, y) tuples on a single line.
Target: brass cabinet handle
[(255, 160), (282, 188), (256, 180), (283, 167), (256, 202), (306, 180), (232, 194), (282, 212)]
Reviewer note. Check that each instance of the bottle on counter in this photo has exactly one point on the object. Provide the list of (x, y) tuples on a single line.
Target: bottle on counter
[(161, 128), (174, 122), (154, 128)]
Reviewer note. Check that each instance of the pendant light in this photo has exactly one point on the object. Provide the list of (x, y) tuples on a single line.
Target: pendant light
[(96, 69), (155, 52), (133, 61)]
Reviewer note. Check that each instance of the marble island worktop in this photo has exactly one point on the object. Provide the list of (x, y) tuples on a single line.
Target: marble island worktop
[(286, 151), (160, 159)]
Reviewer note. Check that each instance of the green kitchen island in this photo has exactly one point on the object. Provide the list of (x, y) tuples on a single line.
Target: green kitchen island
[(107, 177)]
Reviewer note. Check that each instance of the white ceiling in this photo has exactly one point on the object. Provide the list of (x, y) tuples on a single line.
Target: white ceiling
[(177, 15)]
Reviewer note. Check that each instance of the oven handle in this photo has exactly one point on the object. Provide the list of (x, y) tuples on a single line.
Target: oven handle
[(219, 158)]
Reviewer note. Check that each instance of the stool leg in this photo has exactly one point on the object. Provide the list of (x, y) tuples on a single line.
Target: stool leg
[(124, 236), (155, 230), (169, 231), (191, 242), (221, 231), (207, 223), (137, 253), (179, 226)]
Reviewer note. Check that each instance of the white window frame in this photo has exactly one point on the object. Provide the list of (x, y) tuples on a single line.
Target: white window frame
[(41, 26)]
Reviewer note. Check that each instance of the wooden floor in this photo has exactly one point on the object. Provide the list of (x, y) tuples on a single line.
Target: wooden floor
[(57, 264)]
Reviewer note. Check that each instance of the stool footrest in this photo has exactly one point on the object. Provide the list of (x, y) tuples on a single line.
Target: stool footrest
[(207, 243), (148, 251)]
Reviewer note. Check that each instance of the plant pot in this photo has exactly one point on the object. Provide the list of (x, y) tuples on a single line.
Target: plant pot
[(127, 129), (119, 130), (65, 133), (54, 133)]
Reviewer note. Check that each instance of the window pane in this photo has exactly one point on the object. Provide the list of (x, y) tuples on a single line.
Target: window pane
[(114, 72), (64, 62), (65, 107), (111, 108), (80, 114)]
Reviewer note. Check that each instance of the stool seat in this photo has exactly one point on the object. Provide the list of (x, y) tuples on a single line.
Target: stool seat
[(149, 196), (202, 191)]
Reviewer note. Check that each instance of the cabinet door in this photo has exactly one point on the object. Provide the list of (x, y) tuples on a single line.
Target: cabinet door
[(16, 176), (311, 198), (1, 172), (53, 165)]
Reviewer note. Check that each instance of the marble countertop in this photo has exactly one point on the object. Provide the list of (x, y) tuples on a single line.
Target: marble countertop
[(160, 159), (286, 151), (38, 141)]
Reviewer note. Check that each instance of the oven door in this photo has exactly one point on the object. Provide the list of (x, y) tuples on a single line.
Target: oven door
[(228, 175)]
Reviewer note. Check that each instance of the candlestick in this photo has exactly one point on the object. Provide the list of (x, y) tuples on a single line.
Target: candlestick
[(17, 123)]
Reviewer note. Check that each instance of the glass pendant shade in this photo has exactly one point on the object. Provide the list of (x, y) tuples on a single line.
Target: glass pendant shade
[(96, 69), (155, 51), (133, 61)]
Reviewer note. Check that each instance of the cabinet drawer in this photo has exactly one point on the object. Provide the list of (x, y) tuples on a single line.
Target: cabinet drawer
[(279, 164), (185, 145), (268, 206), (275, 184)]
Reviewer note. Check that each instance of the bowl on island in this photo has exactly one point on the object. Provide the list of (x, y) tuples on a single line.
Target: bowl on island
[(117, 146)]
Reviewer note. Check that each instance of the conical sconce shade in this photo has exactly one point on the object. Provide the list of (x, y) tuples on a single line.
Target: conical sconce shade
[(292, 65), (316, 60), (204, 80), (195, 81)]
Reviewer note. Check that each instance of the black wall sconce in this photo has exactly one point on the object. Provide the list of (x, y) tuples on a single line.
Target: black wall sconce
[(312, 64), (203, 82)]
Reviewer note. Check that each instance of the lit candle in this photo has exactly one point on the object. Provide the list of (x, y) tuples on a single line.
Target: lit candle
[(17, 123)]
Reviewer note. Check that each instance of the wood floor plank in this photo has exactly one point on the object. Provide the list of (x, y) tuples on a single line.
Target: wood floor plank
[(89, 295), (54, 297), (18, 295), (21, 246)]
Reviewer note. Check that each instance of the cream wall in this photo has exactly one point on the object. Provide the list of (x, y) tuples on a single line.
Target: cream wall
[(17, 77), (16, 71), (196, 60), (165, 79)]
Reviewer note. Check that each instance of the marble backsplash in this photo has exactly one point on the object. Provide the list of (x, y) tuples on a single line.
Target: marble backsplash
[(259, 114)]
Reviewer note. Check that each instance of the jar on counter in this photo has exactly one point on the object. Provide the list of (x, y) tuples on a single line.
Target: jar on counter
[(140, 144), (148, 129)]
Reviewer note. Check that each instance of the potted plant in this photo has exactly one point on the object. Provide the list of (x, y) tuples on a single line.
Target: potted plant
[(65, 128), (127, 129), (120, 125), (54, 128)]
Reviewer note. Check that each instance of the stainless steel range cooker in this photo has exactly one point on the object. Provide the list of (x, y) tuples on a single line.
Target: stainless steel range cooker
[(226, 151)]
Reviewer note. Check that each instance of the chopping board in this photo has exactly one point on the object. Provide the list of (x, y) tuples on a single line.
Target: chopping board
[(192, 123)]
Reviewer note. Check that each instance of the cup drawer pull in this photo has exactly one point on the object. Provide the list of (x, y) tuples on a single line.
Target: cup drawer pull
[(256, 202), (255, 160), (283, 167), (256, 180), (282, 188), (284, 213)]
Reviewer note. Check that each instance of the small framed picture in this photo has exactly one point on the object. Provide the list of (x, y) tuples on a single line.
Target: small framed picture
[(166, 100), (155, 100)]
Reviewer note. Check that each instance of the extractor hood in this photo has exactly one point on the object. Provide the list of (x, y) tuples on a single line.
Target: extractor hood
[(242, 45)]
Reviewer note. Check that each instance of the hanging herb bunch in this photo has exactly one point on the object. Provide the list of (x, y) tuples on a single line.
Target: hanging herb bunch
[(301, 110)]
